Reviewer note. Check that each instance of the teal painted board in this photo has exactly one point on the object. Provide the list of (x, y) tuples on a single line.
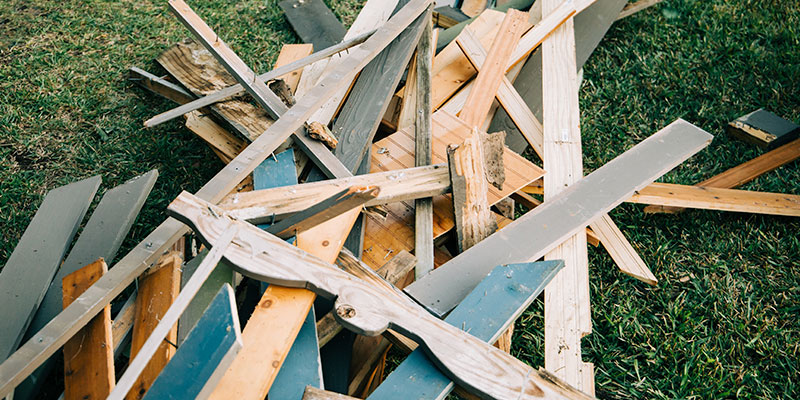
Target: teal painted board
[(32, 265), (301, 366), (485, 313), (222, 274), (102, 236), (205, 355)]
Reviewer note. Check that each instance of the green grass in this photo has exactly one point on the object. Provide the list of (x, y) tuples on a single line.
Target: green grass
[(721, 323)]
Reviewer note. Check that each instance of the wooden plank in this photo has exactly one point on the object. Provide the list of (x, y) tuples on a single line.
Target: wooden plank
[(312, 393), (146, 253), (348, 199), (142, 360), (43, 244), (566, 300), (89, 355), (474, 220), (397, 151), (278, 73), (708, 198), (297, 372), (157, 292), (764, 129), (624, 255), (485, 313), (159, 86), (314, 22), (448, 35), (542, 229), (221, 275), (123, 325), (634, 7), (743, 173), (447, 16), (473, 7), (480, 368), (591, 25), (266, 205), (494, 69), (101, 237), (199, 362), (423, 208), (289, 54)]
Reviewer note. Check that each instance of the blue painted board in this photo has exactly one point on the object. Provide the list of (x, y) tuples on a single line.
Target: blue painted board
[(205, 355), (485, 313)]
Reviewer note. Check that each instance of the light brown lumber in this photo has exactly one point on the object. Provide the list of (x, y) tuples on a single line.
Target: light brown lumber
[(493, 71), (472, 8), (708, 198), (398, 185), (221, 141), (313, 393), (89, 355), (290, 53), (157, 292), (617, 245), (474, 220), (567, 309), (146, 253), (384, 238), (743, 173)]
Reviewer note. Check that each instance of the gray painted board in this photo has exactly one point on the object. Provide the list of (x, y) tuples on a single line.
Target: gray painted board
[(546, 226), (314, 22), (591, 25), (37, 256), (101, 237)]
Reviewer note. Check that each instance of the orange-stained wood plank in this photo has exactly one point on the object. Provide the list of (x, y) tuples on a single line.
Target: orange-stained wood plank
[(157, 291), (89, 355)]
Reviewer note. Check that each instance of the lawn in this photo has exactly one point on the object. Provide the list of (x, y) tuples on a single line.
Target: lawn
[(723, 320)]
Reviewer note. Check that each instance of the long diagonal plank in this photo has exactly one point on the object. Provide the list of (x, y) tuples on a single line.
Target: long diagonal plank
[(205, 354), (146, 253), (614, 241), (101, 238), (498, 300), (89, 355), (743, 173), (542, 229), (26, 277), (365, 309)]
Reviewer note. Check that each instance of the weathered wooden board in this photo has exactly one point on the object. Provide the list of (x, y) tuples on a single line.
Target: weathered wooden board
[(485, 313), (543, 228), (147, 252), (476, 366), (314, 22), (222, 274), (89, 355), (743, 173), (591, 25), (205, 354), (396, 151), (43, 244), (100, 238), (157, 292)]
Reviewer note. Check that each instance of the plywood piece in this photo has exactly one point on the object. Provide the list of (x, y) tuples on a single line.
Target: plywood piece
[(543, 228), (43, 244), (157, 292), (397, 151), (89, 355)]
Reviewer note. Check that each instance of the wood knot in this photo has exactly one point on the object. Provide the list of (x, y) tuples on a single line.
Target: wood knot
[(346, 311)]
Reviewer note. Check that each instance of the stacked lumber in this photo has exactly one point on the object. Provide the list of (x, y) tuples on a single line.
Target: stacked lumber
[(374, 195)]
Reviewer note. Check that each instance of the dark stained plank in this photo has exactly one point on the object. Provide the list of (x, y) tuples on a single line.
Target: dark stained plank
[(591, 25), (314, 22), (26, 276), (546, 226), (101, 238)]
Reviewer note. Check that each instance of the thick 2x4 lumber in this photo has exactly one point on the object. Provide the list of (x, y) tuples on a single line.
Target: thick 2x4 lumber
[(743, 173), (543, 228), (147, 252), (567, 308), (323, 211), (235, 90), (711, 198), (89, 355), (261, 206), (493, 72), (423, 148)]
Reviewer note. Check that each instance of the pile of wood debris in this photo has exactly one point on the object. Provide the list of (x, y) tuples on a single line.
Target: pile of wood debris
[(395, 137)]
